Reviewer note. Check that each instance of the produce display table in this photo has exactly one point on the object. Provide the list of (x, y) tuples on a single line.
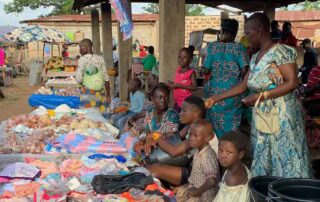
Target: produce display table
[(62, 85), (53, 101), (53, 74)]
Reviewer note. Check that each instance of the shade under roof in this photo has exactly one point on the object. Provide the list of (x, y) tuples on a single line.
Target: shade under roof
[(244, 5)]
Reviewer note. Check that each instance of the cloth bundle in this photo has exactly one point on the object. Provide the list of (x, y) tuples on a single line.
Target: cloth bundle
[(74, 143), (114, 184), (123, 15)]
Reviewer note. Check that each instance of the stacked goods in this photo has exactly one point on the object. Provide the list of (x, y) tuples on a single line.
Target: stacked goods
[(69, 91)]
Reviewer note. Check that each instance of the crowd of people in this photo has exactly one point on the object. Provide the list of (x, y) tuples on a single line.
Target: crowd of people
[(262, 79)]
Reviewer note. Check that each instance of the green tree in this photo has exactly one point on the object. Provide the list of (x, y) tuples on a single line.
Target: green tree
[(59, 6), (304, 6), (152, 8), (191, 9), (308, 5)]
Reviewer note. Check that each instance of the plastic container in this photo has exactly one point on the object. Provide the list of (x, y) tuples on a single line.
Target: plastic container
[(259, 187), (294, 190)]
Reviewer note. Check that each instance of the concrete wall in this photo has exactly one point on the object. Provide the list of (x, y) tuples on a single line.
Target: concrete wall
[(146, 32)]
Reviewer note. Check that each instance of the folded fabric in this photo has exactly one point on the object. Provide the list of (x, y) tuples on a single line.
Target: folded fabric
[(115, 184), (75, 143), (20, 171), (45, 167), (70, 167), (119, 158), (26, 189)]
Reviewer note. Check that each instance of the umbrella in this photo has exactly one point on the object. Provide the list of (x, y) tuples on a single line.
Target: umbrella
[(36, 33), (3, 31)]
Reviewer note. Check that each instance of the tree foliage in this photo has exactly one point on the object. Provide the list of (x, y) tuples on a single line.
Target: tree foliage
[(304, 6), (58, 7), (191, 9)]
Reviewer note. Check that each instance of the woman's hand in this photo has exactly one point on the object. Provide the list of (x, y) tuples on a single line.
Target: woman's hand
[(149, 144), (250, 100)]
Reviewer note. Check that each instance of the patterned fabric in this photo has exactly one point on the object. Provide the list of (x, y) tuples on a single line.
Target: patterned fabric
[(204, 166), (225, 61), (168, 124), (284, 154), (87, 60), (94, 99), (36, 33), (184, 78)]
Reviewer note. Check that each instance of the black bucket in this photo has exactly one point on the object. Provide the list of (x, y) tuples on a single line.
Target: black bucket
[(259, 187), (294, 190)]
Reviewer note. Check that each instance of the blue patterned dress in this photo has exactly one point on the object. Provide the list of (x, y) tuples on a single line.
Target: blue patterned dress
[(225, 61), (284, 154)]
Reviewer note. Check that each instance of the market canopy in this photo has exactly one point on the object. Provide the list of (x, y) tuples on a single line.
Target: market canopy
[(244, 5), (36, 33)]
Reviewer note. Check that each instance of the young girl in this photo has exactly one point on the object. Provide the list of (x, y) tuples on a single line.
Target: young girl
[(234, 185), (185, 79)]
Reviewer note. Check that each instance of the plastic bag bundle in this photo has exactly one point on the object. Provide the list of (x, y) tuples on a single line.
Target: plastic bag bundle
[(115, 184)]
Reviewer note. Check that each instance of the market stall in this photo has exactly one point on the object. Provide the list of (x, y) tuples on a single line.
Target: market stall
[(51, 155), (51, 99)]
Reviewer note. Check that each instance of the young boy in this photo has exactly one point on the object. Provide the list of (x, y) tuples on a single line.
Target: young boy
[(137, 99), (204, 178), (193, 109), (149, 61)]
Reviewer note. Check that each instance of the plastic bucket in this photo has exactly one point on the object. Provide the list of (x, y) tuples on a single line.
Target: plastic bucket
[(259, 187), (294, 190)]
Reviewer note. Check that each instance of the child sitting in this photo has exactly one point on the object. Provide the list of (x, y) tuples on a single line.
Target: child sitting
[(204, 178), (234, 186), (137, 99), (193, 109), (185, 79)]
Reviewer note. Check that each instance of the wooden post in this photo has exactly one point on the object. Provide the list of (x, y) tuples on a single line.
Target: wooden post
[(172, 29), (107, 34), (270, 11), (125, 60), (95, 26), (107, 39)]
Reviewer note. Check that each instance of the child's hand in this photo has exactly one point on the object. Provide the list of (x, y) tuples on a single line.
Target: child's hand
[(192, 192), (209, 103)]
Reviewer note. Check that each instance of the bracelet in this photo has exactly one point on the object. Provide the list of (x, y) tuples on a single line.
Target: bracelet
[(155, 136)]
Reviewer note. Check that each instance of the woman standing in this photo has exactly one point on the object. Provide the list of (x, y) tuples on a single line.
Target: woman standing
[(227, 60), (273, 72), (92, 74)]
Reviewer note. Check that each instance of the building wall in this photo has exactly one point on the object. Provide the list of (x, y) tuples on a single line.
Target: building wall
[(146, 32)]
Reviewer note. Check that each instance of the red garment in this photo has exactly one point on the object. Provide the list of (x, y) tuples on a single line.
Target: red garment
[(290, 40), (313, 80), (143, 54), (180, 94)]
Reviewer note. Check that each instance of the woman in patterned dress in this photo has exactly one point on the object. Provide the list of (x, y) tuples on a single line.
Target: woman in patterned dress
[(227, 61), (273, 70), (90, 98)]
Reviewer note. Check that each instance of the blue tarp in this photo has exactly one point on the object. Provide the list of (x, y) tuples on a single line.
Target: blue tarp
[(53, 101)]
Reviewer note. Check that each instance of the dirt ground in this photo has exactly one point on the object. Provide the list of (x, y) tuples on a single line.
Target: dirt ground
[(16, 98)]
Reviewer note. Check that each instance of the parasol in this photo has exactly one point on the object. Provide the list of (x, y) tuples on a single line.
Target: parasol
[(36, 33)]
